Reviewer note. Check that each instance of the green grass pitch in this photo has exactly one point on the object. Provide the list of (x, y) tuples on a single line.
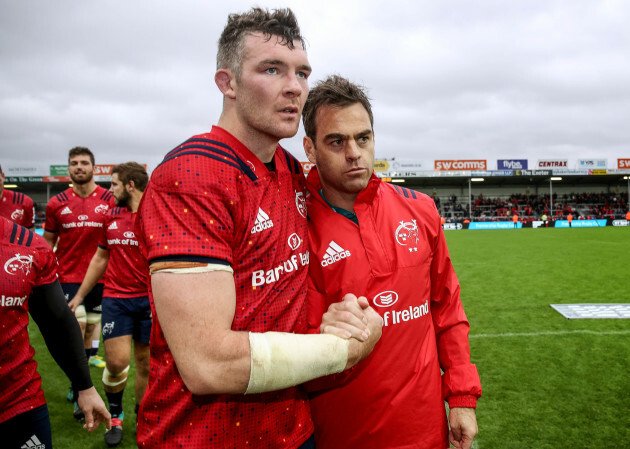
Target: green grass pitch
[(548, 382)]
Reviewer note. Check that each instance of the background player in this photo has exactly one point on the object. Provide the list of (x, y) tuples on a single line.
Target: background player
[(16, 206), (391, 249), (28, 283), (74, 221), (126, 309), (224, 223)]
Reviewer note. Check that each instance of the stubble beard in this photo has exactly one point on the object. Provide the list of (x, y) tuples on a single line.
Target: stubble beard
[(77, 181)]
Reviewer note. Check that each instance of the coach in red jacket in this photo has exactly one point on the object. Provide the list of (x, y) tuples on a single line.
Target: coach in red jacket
[(386, 243)]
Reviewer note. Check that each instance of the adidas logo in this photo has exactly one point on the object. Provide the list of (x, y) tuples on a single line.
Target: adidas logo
[(114, 225), (33, 443), (334, 253), (66, 210), (262, 222)]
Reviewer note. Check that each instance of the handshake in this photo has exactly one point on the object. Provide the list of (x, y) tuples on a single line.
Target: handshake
[(354, 319)]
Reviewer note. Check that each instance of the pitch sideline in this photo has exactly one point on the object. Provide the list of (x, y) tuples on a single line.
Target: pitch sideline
[(540, 334)]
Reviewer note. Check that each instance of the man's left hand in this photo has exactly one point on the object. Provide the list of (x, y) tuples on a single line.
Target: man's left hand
[(463, 423)]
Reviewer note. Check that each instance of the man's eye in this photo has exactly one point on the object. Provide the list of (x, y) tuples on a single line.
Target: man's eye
[(272, 70)]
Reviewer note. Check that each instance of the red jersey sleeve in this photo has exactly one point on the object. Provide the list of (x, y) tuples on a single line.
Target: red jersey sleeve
[(51, 224), (460, 382), (46, 263), (29, 211), (190, 216)]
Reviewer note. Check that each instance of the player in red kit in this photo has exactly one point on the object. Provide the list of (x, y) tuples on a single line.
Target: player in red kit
[(28, 283), (126, 309), (387, 244), (74, 222), (16, 206), (223, 219)]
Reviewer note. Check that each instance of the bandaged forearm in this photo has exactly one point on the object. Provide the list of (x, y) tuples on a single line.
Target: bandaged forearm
[(281, 360)]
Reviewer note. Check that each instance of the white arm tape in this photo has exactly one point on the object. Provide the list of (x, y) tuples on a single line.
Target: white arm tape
[(281, 360), (203, 269)]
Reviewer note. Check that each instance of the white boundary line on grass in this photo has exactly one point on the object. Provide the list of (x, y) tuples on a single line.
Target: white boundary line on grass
[(540, 334)]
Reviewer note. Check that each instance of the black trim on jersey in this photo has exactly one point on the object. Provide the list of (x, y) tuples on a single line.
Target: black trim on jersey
[(116, 211), (292, 162), (18, 198), (30, 238), (13, 233), (406, 192), (61, 197), (106, 196), (23, 234), (203, 150), (181, 258)]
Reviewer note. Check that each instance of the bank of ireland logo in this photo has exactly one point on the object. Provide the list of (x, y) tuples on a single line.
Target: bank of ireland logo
[(101, 209), (129, 235), (300, 203), (17, 263), (385, 299), (407, 235), (83, 217), (294, 241)]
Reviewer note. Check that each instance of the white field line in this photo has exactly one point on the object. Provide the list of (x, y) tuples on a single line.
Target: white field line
[(541, 334)]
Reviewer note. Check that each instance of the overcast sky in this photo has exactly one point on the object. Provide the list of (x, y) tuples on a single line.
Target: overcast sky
[(518, 79)]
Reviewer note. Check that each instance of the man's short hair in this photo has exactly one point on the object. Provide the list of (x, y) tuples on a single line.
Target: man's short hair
[(80, 151), (132, 171), (278, 22), (333, 91)]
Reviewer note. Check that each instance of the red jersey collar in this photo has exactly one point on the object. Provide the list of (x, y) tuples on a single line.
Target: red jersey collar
[(366, 195), (246, 154)]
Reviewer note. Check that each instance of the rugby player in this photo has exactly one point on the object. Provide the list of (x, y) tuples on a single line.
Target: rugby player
[(28, 283), (74, 221), (126, 310), (16, 206), (223, 219), (384, 242)]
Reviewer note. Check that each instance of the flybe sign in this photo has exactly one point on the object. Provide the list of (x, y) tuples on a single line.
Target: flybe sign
[(512, 164)]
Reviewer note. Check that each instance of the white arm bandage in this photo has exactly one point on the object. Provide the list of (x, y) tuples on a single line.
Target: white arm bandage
[(281, 360), (199, 269)]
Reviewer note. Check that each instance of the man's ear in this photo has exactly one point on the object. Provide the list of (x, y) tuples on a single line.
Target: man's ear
[(131, 186), (225, 81), (309, 149)]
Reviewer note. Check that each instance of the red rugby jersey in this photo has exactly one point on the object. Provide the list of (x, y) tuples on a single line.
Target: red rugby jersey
[(79, 223), (213, 199), (127, 271), (26, 261), (17, 207)]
